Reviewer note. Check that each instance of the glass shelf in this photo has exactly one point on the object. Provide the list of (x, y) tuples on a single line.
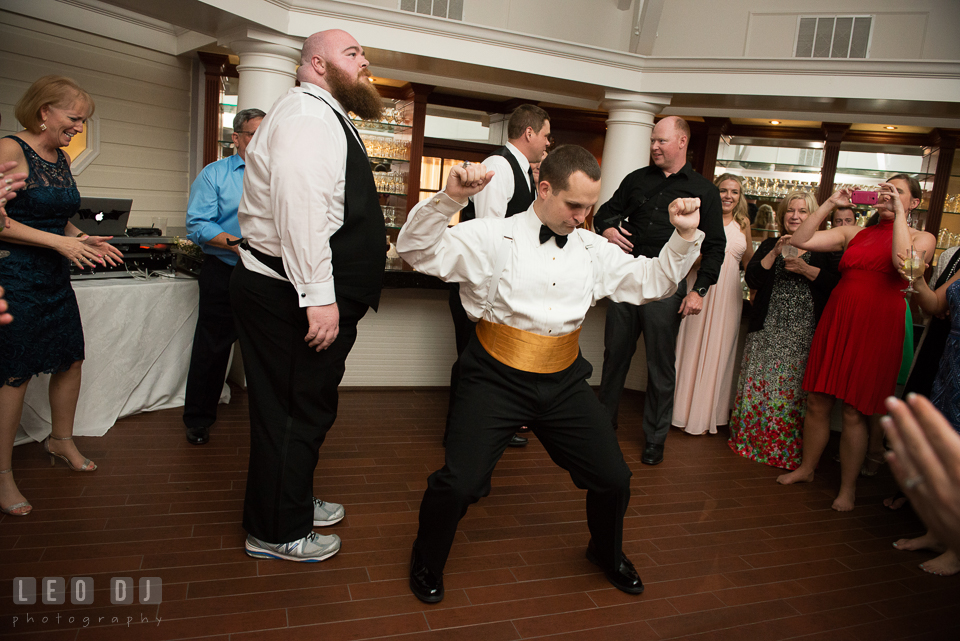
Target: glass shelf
[(379, 159), (767, 166), (881, 174), (384, 127), (392, 193), (876, 174)]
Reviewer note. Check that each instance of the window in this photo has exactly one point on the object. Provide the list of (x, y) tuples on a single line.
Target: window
[(84, 147), (833, 37), (452, 9)]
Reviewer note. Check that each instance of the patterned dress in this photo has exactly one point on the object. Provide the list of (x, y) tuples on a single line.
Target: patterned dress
[(767, 421), (45, 335), (945, 395)]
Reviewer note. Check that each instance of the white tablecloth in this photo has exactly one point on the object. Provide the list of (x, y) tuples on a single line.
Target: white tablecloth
[(138, 335)]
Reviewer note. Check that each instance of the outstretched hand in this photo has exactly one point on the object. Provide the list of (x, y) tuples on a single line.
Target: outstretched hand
[(466, 181), (925, 459), (685, 216)]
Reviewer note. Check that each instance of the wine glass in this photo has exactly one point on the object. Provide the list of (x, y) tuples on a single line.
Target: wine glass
[(913, 267)]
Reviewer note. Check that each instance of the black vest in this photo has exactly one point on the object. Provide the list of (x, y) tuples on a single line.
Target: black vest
[(358, 247), (522, 196)]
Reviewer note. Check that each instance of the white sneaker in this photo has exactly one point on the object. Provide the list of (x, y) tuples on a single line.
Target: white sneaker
[(325, 513), (310, 549)]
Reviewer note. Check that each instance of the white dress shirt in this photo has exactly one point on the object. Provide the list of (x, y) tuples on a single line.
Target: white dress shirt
[(492, 201), (543, 289), (293, 191)]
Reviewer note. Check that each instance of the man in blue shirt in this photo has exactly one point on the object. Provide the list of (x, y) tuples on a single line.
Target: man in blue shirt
[(211, 223)]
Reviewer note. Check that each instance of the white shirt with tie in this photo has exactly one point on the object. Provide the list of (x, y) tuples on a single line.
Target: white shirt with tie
[(543, 289), (492, 201)]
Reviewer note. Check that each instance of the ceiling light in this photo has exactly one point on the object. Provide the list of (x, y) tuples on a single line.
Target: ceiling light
[(889, 127), (774, 122)]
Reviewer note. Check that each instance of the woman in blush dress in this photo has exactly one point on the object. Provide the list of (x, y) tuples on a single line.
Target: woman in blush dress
[(707, 343), (858, 347), (791, 294)]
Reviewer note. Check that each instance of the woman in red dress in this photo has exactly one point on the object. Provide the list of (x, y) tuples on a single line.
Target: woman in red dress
[(858, 345)]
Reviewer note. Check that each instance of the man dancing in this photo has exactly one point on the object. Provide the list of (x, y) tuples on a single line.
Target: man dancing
[(529, 281)]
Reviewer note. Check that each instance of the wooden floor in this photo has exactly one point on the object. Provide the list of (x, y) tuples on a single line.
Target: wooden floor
[(725, 552)]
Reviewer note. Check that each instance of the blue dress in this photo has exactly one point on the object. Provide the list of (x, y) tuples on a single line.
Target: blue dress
[(945, 395), (45, 335)]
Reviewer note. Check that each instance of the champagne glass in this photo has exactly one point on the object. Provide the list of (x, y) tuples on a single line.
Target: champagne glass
[(913, 267)]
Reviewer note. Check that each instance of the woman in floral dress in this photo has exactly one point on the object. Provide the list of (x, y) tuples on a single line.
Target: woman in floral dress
[(792, 291)]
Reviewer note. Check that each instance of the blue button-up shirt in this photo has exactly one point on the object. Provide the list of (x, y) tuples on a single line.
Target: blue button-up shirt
[(212, 209)]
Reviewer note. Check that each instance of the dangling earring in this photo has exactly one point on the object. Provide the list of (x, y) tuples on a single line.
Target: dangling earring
[(43, 127)]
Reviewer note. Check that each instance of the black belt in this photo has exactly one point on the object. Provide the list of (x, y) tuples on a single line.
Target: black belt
[(273, 262)]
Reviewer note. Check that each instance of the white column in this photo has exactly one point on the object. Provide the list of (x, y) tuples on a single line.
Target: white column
[(626, 146), (267, 70), (498, 129)]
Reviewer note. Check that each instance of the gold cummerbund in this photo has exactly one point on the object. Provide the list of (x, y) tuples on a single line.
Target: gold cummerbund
[(527, 351)]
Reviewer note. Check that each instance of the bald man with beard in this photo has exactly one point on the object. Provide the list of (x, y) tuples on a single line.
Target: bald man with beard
[(309, 211)]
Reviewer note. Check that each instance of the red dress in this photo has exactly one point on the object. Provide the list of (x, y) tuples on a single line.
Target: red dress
[(858, 345)]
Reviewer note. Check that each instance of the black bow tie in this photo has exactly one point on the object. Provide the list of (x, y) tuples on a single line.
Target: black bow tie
[(546, 233)]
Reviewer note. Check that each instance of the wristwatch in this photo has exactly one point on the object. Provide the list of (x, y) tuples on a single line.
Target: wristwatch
[(701, 290)]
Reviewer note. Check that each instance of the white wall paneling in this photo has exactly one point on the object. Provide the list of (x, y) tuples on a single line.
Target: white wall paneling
[(143, 110), (409, 343)]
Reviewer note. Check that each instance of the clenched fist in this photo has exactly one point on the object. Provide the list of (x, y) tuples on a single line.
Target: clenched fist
[(685, 216)]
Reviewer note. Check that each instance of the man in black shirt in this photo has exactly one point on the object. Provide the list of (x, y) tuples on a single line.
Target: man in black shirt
[(636, 219)]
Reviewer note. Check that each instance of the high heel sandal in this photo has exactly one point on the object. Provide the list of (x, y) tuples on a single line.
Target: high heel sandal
[(88, 465), (22, 508)]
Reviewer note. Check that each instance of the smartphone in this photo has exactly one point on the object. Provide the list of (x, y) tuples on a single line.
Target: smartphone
[(864, 198)]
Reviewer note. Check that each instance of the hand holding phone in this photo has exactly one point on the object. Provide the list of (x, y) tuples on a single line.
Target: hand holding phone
[(863, 197)]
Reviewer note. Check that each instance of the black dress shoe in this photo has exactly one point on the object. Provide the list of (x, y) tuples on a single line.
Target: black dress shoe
[(523, 430), (198, 435), (624, 578), (517, 441), (424, 584), (652, 454)]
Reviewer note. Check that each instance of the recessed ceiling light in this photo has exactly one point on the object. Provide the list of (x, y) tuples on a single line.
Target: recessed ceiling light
[(774, 122), (889, 127)]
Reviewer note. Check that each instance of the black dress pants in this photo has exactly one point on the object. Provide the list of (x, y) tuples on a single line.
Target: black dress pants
[(292, 392), (659, 322), (212, 340), (564, 413), (463, 329)]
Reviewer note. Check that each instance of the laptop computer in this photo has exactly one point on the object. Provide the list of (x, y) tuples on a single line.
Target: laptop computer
[(103, 216)]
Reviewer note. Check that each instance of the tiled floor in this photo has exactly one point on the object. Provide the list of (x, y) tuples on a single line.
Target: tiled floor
[(724, 551)]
